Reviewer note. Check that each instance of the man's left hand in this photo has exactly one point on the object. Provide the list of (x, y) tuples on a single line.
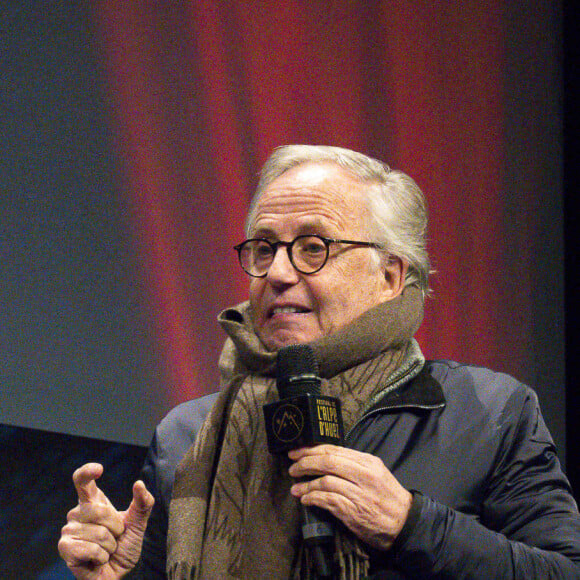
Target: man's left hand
[(355, 487)]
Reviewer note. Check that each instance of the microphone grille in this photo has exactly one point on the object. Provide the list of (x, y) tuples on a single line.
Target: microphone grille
[(297, 371)]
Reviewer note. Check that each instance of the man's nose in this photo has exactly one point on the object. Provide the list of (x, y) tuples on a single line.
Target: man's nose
[(281, 270)]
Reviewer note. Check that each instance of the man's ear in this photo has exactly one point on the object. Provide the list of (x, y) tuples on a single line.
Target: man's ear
[(395, 271)]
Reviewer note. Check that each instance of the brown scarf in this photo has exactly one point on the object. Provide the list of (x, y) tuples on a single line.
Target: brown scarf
[(232, 515)]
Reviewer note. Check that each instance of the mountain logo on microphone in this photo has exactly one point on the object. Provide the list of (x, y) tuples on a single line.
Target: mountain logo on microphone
[(302, 420), (288, 422)]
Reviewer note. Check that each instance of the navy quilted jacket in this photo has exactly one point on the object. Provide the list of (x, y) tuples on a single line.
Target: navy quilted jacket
[(490, 498)]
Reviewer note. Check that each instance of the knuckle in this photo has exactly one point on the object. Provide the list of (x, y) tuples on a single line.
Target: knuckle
[(92, 512), (90, 551), (64, 546), (325, 483), (99, 534), (103, 536), (67, 531), (330, 463), (73, 514), (337, 506), (87, 513)]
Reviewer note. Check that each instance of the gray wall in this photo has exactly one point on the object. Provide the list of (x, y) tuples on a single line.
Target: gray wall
[(75, 351)]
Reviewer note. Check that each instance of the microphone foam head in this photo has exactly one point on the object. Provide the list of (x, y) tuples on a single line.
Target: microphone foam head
[(297, 371)]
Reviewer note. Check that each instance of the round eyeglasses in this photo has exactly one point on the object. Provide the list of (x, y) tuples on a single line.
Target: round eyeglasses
[(308, 254)]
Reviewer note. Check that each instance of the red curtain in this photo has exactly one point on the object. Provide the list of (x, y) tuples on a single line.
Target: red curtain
[(201, 92)]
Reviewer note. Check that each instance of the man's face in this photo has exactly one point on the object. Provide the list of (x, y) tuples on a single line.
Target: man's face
[(290, 307)]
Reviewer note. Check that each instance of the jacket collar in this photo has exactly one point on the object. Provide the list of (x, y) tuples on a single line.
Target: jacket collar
[(421, 392)]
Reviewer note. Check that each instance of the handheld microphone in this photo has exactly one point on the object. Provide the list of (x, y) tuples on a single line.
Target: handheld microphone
[(303, 417)]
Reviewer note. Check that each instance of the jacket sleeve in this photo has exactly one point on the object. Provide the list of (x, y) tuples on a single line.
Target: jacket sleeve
[(528, 527), (172, 438), (153, 554)]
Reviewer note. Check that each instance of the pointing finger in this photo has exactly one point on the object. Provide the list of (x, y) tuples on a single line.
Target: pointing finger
[(84, 482)]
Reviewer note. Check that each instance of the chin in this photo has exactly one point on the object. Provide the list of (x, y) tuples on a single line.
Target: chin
[(279, 341), (275, 344)]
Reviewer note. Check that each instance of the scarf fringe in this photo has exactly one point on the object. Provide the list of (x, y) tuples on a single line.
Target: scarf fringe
[(181, 570), (353, 561)]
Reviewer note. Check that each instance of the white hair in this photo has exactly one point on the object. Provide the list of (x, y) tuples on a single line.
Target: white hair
[(396, 206)]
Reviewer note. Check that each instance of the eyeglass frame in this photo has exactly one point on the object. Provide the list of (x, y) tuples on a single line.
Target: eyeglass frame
[(288, 245)]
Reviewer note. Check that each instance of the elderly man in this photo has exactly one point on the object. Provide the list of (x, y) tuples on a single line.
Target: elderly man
[(447, 471)]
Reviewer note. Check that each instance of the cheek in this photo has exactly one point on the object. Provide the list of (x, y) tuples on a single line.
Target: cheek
[(256, 292), (350, 293), (334, 297)]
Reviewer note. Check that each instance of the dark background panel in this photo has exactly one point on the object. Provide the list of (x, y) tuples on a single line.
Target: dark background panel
[(571, 84), (36, 492)]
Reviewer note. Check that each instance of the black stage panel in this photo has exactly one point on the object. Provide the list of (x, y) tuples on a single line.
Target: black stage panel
[(36, 492)]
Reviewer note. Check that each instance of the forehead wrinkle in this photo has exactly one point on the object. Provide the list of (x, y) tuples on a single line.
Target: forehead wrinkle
[(331, 206), (336, 182), (312, 217)]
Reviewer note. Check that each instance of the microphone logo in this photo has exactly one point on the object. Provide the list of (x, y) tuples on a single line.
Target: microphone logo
[(288, 423)]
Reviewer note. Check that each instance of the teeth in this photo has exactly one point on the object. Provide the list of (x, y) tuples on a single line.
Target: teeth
[(285, 309)]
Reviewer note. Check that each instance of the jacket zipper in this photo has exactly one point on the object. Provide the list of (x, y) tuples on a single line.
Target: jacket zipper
[(389, 408)]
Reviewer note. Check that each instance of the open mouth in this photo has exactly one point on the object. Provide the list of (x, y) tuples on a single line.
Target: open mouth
[(287, 310)]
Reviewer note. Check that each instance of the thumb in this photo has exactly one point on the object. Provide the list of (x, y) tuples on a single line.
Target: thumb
[(140, 508)]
